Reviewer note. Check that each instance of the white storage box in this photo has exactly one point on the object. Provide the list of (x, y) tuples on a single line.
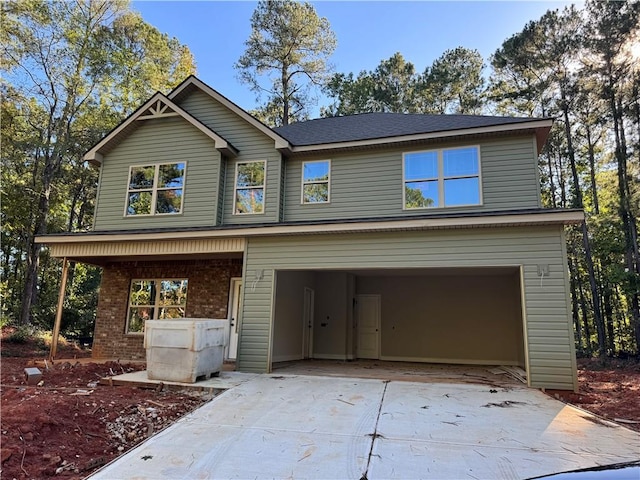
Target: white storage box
[(183, 350)]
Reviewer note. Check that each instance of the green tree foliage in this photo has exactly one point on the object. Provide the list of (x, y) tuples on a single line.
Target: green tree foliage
[(454, 83), (71, 72), (391, 87), (286, 53)]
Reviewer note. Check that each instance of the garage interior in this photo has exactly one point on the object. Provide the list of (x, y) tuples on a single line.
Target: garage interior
[(435, 315)]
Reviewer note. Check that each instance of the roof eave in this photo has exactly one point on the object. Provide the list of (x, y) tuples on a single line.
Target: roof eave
[(541, 128)]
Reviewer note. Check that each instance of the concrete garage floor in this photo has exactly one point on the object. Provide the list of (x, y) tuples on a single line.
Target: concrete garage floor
[(292, 426)]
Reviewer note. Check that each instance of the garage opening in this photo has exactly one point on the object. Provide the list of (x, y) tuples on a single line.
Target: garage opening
[(437, 315)]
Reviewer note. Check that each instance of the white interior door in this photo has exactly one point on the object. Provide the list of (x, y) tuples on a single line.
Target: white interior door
[(307, 323), (368, 325), (235, 293)]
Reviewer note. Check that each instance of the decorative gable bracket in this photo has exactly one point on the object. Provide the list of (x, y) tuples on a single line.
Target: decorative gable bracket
[(159, 110)]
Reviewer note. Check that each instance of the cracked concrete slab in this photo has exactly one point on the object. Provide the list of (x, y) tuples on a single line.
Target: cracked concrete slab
[(288, 426)]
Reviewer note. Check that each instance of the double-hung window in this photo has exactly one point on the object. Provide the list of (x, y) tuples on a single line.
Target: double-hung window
[(442, 178), (155, 189), (155, 299), (315, 181), (249, 187)]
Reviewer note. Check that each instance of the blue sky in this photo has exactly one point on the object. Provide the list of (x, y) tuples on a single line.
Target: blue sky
[(367, 32)]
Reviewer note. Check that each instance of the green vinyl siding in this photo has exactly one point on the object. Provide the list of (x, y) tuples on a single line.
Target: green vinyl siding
[(549, 329), (370, 184), (166, 140), (252, 145), (221, 183)]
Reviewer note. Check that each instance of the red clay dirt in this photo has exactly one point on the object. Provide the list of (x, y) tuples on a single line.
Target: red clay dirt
[(69, 426), (609, 388)]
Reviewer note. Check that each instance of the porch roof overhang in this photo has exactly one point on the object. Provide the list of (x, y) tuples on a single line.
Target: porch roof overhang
[(102, 247)]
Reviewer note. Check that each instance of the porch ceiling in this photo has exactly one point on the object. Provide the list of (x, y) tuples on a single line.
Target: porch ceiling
[(148, 250)]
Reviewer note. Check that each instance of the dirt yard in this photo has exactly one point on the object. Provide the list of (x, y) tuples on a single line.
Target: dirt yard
[(609, 388), (70, 425)]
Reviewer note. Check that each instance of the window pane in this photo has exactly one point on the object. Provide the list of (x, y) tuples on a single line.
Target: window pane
[(137, 317), (421, 194), (250, 174), (462, 191), (315, 171), (139, 203), (142, 177), (461, 161), (171, 175), (316, 193), (250, 200), (143, 292), (169, 201), (171, 312), (422, 165), (173, 292)]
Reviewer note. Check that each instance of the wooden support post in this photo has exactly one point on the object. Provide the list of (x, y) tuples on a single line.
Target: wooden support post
[(56, 326)]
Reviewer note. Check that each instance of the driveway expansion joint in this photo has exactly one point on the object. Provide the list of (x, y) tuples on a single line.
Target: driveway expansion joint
[(375, 433)]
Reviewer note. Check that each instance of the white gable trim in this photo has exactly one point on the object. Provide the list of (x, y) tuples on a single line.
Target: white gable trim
[(281, 143), (156, 107)]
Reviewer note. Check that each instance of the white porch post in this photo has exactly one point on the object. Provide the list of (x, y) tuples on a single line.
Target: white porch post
[(56, 326)]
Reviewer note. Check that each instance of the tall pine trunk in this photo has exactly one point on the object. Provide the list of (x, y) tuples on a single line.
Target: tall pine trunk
[(586, 242)]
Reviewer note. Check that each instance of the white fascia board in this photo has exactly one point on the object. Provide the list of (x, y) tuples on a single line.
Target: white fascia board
[(525, 219)]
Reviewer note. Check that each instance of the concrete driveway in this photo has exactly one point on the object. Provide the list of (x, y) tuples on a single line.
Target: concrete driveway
[(288, 426)]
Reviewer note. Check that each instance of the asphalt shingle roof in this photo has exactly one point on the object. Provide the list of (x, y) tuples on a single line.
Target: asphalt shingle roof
[(369, 126)]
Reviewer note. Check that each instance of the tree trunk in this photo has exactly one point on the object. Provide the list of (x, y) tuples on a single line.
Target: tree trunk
[(608, 315), (585, 316), (586, 242), (574, 305), (33, 249), (592, 171)]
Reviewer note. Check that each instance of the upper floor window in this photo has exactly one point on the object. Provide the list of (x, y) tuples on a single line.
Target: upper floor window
[(155, 189), (315, 181), (442, 178), (249, 187), (155, 299)]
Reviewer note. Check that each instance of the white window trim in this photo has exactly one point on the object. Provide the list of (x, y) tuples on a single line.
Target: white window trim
[(156, 304), (263, 187), (441, 178), (303, 183), (154, 190)]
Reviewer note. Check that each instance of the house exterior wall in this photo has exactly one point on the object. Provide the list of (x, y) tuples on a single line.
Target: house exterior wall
[(548, 332), (207, 297), (370, 184), (252, 145), (160, 141)]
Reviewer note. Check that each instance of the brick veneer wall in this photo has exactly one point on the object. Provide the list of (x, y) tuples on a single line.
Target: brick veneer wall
[(207, 297)]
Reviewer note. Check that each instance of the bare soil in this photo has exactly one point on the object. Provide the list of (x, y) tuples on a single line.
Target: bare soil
[(610, 388), (69, 425)]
